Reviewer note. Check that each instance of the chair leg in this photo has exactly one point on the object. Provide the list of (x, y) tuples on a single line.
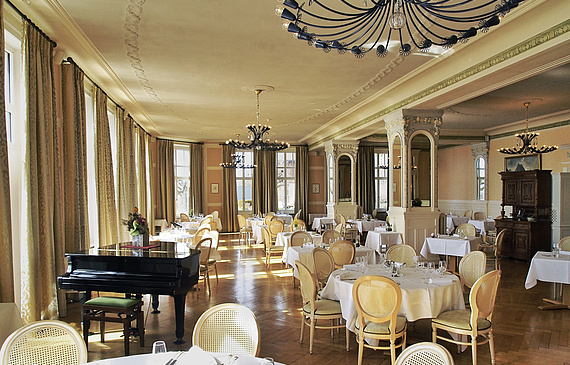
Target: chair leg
[(347, 339), (216, 269), (360, 348), (102, 329), (312, 336), (474, 349), (126, 336), (392, 351), (492, 347), (86, 324), (302, 327), (140, 326)]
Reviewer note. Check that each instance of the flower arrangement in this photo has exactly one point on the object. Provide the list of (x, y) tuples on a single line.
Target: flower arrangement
[(389, 226), (136, 223)]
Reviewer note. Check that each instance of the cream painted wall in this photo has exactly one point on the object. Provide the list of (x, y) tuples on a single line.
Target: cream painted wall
[(456, 173)]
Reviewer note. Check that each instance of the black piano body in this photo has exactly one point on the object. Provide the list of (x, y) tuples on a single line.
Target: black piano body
[(162, 268)]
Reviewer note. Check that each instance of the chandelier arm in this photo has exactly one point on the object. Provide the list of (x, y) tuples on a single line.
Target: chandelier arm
[(459, 7), (437, 40), (337, 12), (425, 17)]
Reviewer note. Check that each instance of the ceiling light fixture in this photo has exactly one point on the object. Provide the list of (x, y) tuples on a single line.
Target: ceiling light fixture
[(527, 142), (359, 29), (237, 162), (258, 135)]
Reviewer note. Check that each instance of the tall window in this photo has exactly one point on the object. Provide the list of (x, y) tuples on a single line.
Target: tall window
[(331, 179), (182, 178), (480, 175), (381, 180), (244, 181), (286, 181)]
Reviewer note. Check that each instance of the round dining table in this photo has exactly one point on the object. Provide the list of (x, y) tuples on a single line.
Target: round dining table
[(190, 357)]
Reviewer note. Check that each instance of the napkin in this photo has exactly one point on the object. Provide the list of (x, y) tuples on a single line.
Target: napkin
[(439, 281), (348, 275), (197, 356), (353, 267)]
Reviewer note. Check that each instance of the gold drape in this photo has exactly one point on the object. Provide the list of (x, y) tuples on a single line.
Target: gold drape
[(107, 209), (42, 249), (264, 182), (6, 266), (126, 175), (196, 175), (365, 179), (165, 200), (302, 181), (229, 196), (141, 169)]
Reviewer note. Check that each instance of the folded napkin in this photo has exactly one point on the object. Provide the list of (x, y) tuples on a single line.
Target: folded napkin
[(348, 275), (197, 356), (439, 280), (353, 267)]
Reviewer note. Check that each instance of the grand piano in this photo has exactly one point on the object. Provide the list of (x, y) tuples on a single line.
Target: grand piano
[(161, 268)]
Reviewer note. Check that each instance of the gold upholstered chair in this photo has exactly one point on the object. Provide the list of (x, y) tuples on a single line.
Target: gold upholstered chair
[(493, 251), (425, 353), (330, 236), (471, 268), (298, 238), (466, 229), (245, 232), (564, 244), (401, 253), (270, 248), (343, 253), (323, 263)]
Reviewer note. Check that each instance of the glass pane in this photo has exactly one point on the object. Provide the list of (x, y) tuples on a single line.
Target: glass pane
[(281, 199), (183, 172), (248, 194), (291, 195), (182, 196), (291, 172), (280, 173), (280, 159), (239, 173)]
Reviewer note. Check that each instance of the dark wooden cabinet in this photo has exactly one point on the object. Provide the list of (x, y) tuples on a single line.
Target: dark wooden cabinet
[(528, 193)]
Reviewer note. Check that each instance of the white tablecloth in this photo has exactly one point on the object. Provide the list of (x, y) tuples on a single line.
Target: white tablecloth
[(304, 254), (256, 232), (483, 226), (375, 240), (365, 226), (454, 221), (284, 239), (187, 358), (285, 218), (419, 299), (318, 221), (546, 267), (449, 245)]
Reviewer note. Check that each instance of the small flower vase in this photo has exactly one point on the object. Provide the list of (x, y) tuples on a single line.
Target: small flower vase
[(137, 240)]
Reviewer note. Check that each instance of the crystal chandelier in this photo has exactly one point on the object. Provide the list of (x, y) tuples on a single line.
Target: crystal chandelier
[(361, 26), (258, 136), (527, 142), (237, 162)]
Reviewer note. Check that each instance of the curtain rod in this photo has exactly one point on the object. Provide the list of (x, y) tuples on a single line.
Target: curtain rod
[(177, 141), (24, 17)]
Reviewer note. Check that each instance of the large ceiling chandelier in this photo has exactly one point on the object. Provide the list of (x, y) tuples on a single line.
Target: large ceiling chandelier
[(258, 135), (527, 142), (237, 162), (360, 26)]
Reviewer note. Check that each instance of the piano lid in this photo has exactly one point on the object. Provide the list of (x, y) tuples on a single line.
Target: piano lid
[(158, 249)]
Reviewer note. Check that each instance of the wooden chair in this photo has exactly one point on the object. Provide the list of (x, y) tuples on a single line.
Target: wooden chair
[(468, 213), (475, 322), (200, 234), (493, 251), (425, 353), (377, 300), (268, 218), (349, 230), (44, 342), (298, 238), (343, 253), (401, 253), (184, 217), (466, 229), (317, 313), (123, 310), (479, 216), (270, 248), (471, 268), (275, 226), (298, 225), (205, 248), (297, 215), (245, 232), (564, 244), (330, 236), (228, 328), (323, 263)]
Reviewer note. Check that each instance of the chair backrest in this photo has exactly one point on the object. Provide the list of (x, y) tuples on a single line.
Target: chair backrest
[(307, 284), (472, 267), (298, 225), (44, 343), (207, 219), (297, 215), (468, 213), (499, 242), (374, 213), (267, 242), (268, 218), (482, 297), (275, 226), (215, 214), (323, 262), (227, 328), (564, 244), (339, 228), (184, 217), (425, 353), (401, 253), (342, 219), (377, 299), (242, 222), (205, 248), (343, 252), (479, 216), (330, 236), (298, 238), (200, 233), (466, 229)]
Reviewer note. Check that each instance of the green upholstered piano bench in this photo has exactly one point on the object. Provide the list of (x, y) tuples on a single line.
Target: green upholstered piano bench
[(124, 311)]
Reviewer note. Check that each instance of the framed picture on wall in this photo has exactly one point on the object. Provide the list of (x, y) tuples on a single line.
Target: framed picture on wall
[(316, 188), (214, 188), (523, 163)]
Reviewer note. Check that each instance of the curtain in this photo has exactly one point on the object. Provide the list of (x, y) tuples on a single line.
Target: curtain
[(264, 182), (43, 237), (365, 176), (6, 266), (105, 184), (230, 207), (196, 174), (302, 182), (126, 174), (141, 168), (75, 161), (166, 188)]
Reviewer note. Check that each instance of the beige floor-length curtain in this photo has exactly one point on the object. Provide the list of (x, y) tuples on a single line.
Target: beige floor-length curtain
[(166, 188), (229, 195), (302, 181), (6, 265), (264, 182), (365, 178), (196, 174), (105, 183), (141, 172), (126, 174), (75, 161), (43, 238)]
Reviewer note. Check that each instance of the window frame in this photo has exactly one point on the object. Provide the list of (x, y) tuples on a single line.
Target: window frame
[(179, 167), (480, 193), (381, 174), (289, 176), (246, 176)]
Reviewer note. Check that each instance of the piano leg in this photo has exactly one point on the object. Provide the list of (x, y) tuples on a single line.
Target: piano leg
[(179, 303), (154, 304)]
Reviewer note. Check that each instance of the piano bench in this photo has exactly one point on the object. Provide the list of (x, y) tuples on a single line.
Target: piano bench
[(126, 310)]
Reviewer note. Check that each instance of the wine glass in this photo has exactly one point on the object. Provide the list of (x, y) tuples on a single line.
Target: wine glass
[(417, 259), (442, 267), (158, 347)]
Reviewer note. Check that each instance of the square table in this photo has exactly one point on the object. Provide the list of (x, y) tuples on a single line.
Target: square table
[(284, 239), (552, 268), (380, 241), (365, 225), (453, 246), (319, 221), (452, 221), (483, 225)]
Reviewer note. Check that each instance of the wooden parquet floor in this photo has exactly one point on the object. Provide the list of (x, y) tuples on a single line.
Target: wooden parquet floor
[(523, 333)]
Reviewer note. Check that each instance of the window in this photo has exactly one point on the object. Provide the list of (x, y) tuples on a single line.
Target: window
[(331, 178), (182, 178), (286, 182), (381, 180), (244, 182), (480, 177)]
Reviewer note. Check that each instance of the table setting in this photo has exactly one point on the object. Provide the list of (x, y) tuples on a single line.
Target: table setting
[(380, 241), (453, 221), (365, 225), (284, 239), (552, 267)]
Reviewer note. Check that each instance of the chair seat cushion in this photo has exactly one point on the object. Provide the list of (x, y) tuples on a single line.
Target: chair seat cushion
[(113, 302), (460, 319), (382, 328), (276, 249), (323, 307)]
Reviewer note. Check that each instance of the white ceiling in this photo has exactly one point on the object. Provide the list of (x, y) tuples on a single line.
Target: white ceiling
[(180, 68)]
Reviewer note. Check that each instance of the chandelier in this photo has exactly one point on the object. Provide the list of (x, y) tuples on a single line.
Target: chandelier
[(258, 136), (237, 162), (527, 142), (343, 25)]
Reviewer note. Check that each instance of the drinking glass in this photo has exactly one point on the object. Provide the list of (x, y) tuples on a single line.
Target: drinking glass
[(382, 258), (442, 267), (158, 347), (417, 260), (268, 361)]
